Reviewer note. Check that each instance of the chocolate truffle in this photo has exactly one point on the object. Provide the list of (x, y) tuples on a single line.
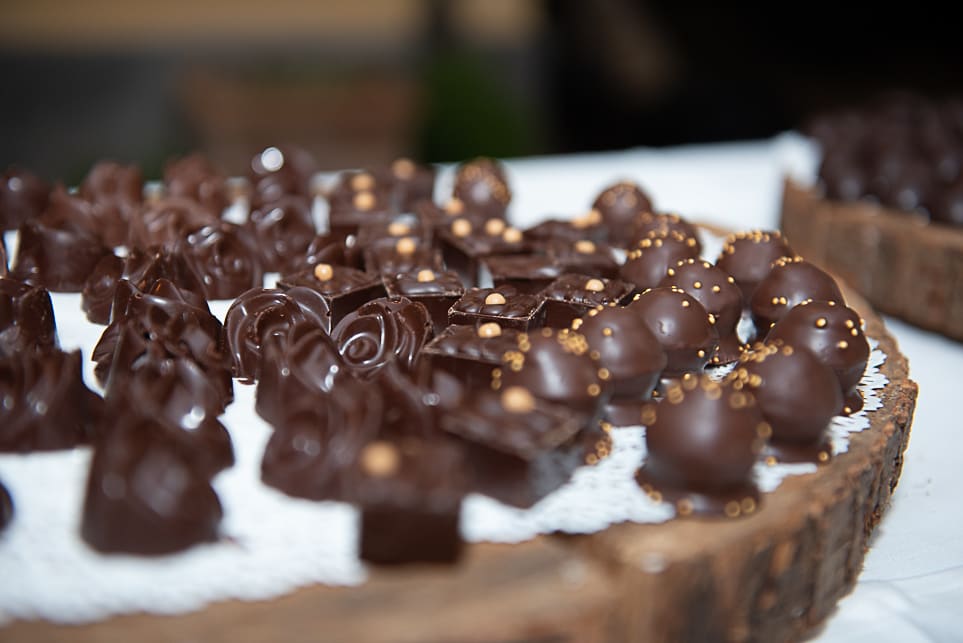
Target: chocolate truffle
[(681, 324), (46, 406), (436, 290), (470, 353), (23, 196), (344, 289), (572, 295), (195, 177), (283, 230), (27, 323), (482, 186), (834, 334), (381, 331), (167, 221), (619, 205), (279, 170), (225, 257), (797, 395), (503, 305), (649, 224), (631, 355), (790, 282), (6, 507), (717, 292), (261, 312), (648, 263), (703, 441), (748, 257), (58, 260)]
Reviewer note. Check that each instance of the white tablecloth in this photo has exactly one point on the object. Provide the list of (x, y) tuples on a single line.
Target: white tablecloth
[(911, 588)]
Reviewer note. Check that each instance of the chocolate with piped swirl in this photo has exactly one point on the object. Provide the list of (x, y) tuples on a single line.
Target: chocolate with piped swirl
[(383, 331), (748, 257), (648, 263), (23, 196), (225, 258), (27, 323), (46, 405), (195, 177), (59, 260), (167, 221), (283, 230), (104, 220), (116, 191), (681, 324), (791, 281)]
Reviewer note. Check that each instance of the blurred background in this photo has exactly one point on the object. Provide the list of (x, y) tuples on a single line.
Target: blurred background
[(361, 82)]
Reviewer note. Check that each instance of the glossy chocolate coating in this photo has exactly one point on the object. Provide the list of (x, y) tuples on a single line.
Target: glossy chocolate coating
[(703, 438), (147, 492), (647, 265), (23, 196), (225, 257), (464, 244), (789, 283), (58, 260), (98, 293), (262, 312), (350, 212), (587, 226), (650, 224), (27, 323), (103, 220), (279, 170), (482, 186), (195, 177), (525, 273), (748, 257), (796, 393), (682, 326), (572, 295), (627, 349), (436, 290), (344, 289), (619, 204), (557, 366), (833, 333), (6, 507), (393, 255), (46, 406), (167, 221), (583, 256), (504, 305), (283, 230), (112, 182), (381, 331), (468, 353), (407, 182), (325, 248)]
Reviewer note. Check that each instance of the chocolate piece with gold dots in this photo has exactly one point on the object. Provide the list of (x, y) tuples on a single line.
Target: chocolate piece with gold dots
[(345, 289), (618, 205), (464, 243), (470, 353), (682, 325), (504, 305), (481, 185), (748, 257), (791, 281), (649, 224), (573, 295), (436, 289), (647, 264)]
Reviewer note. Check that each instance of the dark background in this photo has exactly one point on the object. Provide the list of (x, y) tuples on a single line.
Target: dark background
[(359, 83)]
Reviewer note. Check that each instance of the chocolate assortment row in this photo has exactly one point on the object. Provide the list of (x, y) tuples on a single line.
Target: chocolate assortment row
[(906, 153), (411, 353)]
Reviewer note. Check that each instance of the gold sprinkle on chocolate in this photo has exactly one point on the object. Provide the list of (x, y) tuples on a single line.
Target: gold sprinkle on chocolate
[(733, 509), (821, 322), (738, 400), (716, 289), (854, 332), (495, 299), (461, 227), (380, 459), (577, 323), (584, 246), (406, 246), (675, 395), (398, 228), (594, 390), (454, 207), (771, 461), (489, 330), (842, 344), (364, 201), (516, 399), (604, 374), (849, 323), (595, 355), (700, 353), (685, 303), (512, 235), (731, 280), (594, 285), (670, 272), (648, 415), (764, 430), (361, 182), (426, 275), (655, 496), (684, 507), (607, 331), (324, 272), (403, 168), (822, 456), (697, 285), (748, 505), (494, 227)]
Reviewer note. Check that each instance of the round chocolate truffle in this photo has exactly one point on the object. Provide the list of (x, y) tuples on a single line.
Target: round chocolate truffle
[(833, 333), (703, 440), (648, 263), (23, 195), (481, 185), (748, 257), (6, 507), (681, 324), (619, 204), (797, 395), (661, 223), (790, 282), (717, 292)]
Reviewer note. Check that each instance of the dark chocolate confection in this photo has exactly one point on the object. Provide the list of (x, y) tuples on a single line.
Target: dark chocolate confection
[(393, 255), (195, 177), (261, 312), (166, 221), (630, 354), (584, 257), (525, 273), (6, 507), (619, 205), (834, 334), (408, 182), (649, 224), (46, 406), (703, 441), (392, 229), (681, 324), (572, 295), (464, 244), (437, 216), (280, 170), (557, 366), (719, 295), (352, 182), (790, 282), (648, 263), (58, 260), (296, 367), (349, 213), (23, 196), (504, 305), (116, 191), (587, 226), (518, 447), (98, 293), (27, 323), (748, 257), (797, 395), (436, 290), (344, 289), (148, 492), (324, 248), (225, 257), (283, 230), (482, 186), (468, 353), (381, 331), (101, 220), (410, 497)]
